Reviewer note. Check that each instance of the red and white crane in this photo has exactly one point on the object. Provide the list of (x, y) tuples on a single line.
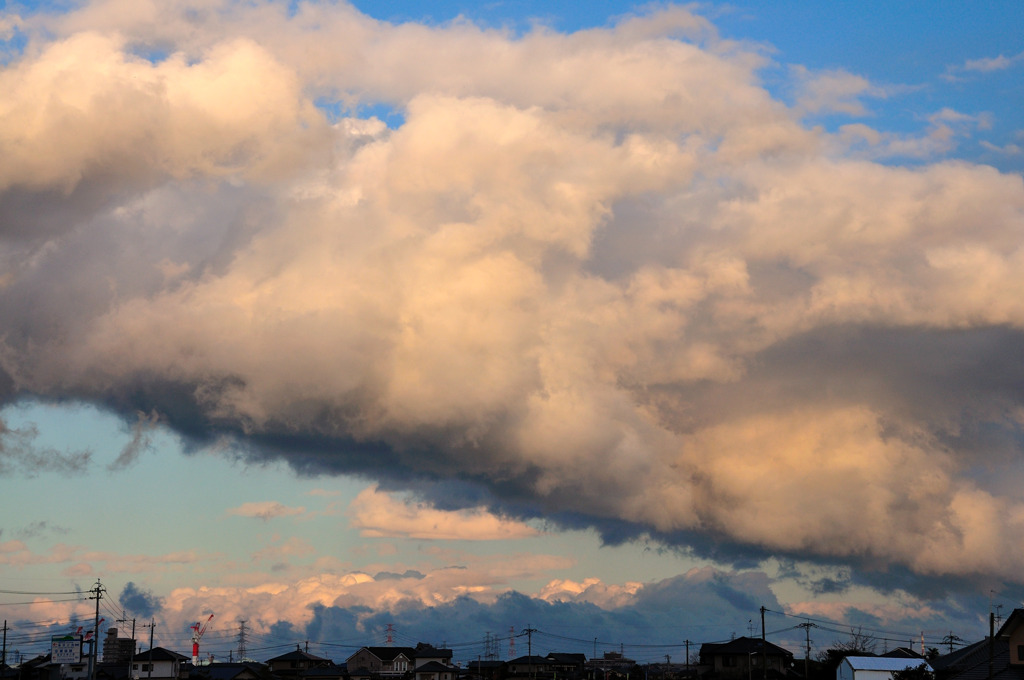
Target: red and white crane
[(197, 633)]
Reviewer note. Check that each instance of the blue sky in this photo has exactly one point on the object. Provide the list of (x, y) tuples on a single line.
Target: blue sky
[(620, 321)]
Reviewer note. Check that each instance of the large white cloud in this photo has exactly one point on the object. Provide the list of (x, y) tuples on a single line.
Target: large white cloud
[(576, 273)]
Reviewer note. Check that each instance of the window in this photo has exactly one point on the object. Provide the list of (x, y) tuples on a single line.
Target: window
[(729, 661), (1020, 652)]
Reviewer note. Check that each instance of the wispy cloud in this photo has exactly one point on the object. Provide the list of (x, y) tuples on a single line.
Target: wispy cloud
[(140, 441), (19, 454), (266, 510), (983, 65), (946, 129)]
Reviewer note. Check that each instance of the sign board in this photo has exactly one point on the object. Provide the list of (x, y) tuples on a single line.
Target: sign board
[(66, 649)]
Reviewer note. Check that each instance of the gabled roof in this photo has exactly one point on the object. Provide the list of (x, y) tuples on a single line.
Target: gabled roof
[(883, 663), (902, 653), (434, 667), (535, 660), (390, 653), (297, 655), (1015, 619), (159, 654), (742, 645)]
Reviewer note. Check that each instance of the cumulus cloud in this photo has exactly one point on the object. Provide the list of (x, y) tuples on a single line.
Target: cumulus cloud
[(379, 514), (593, 590), (701, 605), (139, 601), (266, 510), (603, 276)]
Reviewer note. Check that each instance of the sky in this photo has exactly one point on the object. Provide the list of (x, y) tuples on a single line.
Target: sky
[(616, 321)]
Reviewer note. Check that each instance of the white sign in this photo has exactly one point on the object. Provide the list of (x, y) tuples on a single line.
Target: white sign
[(66, 649)]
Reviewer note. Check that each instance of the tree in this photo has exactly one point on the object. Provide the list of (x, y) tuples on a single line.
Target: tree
[(858, 644), (920, 672)]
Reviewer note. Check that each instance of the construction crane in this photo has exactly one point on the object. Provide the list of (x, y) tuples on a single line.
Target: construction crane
[(197, 633)]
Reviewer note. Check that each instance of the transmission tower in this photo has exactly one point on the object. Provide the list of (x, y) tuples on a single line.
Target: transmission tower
[(389, 638), (511, 642), (241, 640)]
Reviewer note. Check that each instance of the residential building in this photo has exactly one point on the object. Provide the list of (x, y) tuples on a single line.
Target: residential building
[(160, 664), (381, 662), (480, 669), (610, 665), (527, 667), (117, 649), (1000, 657), (566, 666), (876, 667), (245, 670), (746, 658), (296, 662)]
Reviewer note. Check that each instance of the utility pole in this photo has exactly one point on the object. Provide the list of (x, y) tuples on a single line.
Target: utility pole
[(764, 647), (3, 654), (131, 655), (98, 589), (529, 647), (807, 651), (152, 626), (687, 658), (951, 640)]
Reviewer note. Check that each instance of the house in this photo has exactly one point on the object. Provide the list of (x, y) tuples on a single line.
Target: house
[(434, 670), (529, 667), (610, 665), (295, 662), (159, 664), (1004, 652), (381, 662), (566, 666), (38, 668), (481, 669), (112, 671), (746, 658), (432, 663), (244, 670), (876, 667)]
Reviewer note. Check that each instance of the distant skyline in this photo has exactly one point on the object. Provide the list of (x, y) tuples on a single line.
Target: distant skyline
[(620, 321)]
